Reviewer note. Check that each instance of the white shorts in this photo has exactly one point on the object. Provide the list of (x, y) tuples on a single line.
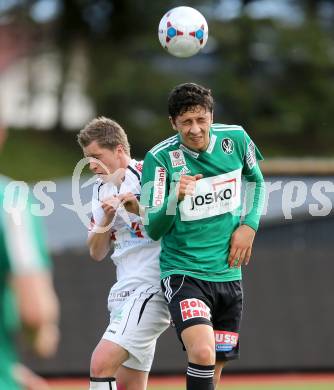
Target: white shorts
[(137, 319)]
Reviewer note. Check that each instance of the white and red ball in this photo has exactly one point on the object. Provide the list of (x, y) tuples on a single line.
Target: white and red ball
[(183, 31)]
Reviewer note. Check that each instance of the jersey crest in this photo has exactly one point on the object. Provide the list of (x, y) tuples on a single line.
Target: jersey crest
[(227, 145)]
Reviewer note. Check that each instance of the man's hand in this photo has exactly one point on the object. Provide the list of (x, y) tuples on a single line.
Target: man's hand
[(43, 340), (109, 206), (130, 202), (187, 185), (241, 246), (99, 241), (28, 379), (46, 341)]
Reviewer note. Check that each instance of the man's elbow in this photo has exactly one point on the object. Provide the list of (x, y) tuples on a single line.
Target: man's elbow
[(96, 255), (95, 251), (35, 317)]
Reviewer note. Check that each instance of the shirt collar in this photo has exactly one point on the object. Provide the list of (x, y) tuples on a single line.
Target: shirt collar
[(193, 153)]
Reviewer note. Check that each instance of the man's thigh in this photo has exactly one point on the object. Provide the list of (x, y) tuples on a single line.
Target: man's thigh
[(227, 319), (188, 301), (107, 358), (219, 304), (136, 324)]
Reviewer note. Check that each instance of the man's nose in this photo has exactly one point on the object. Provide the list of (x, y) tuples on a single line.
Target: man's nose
[(92, 165), (195, 129)]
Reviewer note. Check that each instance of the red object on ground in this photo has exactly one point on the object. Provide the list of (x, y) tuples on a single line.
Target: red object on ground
[(230, 379)]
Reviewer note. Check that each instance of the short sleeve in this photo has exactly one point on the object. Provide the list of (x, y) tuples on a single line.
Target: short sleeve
[(24, 241)]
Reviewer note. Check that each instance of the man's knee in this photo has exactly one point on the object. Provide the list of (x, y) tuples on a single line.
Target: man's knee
[(200, 344), (96, 366), (107, 358), (202, 354), (100, 366)]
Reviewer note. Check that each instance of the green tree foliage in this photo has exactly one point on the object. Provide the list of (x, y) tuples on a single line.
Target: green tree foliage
[(277, 79), (273, 76)]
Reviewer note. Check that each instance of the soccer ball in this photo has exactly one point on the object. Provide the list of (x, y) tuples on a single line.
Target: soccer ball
[(183, 31)]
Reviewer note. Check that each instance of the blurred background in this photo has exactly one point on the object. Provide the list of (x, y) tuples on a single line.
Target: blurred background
[(270, 65)]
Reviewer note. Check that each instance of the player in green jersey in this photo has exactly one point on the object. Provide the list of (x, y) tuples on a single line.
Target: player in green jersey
[(192, 200), (26, 291)]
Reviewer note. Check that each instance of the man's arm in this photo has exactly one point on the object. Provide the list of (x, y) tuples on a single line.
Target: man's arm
[(255, 194), (32, 282), (28, 379), (255, 186), (243, 237), (99, 241), (39, 310), (158, 198)]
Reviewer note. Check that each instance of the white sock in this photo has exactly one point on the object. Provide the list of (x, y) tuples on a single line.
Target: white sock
[(102, 384)]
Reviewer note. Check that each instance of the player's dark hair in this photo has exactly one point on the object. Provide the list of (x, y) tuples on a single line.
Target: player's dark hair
[(185, 97)]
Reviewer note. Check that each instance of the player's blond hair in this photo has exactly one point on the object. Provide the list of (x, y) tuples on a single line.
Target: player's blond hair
[(106, 132)]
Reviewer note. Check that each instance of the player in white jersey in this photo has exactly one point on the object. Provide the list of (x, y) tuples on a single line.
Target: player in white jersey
[(138, 313)]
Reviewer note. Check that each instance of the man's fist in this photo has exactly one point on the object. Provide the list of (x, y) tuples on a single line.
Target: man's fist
[(130, 202), (109, 206), (187, 185)]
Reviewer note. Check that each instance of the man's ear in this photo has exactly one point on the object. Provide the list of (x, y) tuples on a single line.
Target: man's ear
[(119, 149), (172, 122)]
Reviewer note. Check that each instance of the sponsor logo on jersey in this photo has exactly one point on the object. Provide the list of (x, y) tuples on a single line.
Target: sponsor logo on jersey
[(189, 151), (184, 171), (133, 242), (177, 158), (136, 230), (227, 145), (139, 166), (213, 196), (119, 296), (194, 308), (159, 186), (251, 156), (225, 341), (221, 191), (116, 320)]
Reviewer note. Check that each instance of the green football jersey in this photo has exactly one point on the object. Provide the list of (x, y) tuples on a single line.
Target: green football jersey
[(22, 251), (196, 231)]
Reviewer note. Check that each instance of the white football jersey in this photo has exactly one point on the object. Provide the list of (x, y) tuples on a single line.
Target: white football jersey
[(136, 255)]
